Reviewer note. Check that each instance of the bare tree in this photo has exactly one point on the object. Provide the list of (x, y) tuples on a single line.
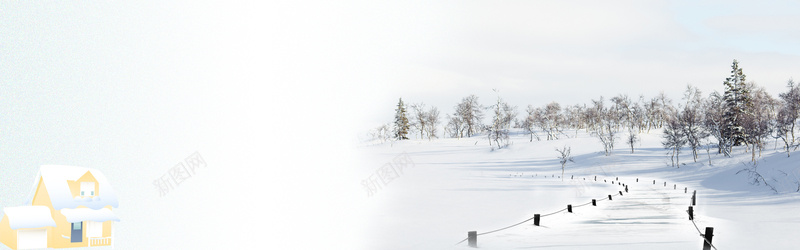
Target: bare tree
[(758, 123), (432, 120), (382, 133), (530, 122), (419, 118), (455, 126), (632, 138), (674, 138), (564, 157), (503, 115), (691, 120), (604, 125), (714, 122), (470, 113), (552, 120), (788, 115)]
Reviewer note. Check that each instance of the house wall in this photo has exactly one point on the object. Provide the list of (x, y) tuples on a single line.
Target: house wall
[(55, 239), (75, 186), (107, 228), (7, 235)]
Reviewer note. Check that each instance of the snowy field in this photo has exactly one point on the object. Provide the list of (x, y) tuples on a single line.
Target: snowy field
[(458, 185)]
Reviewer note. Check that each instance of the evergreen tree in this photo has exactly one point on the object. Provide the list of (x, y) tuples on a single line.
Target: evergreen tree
[(737, 101), (401, 122)]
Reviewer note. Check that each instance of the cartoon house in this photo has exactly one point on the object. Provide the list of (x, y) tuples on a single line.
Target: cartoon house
[(71, 207)]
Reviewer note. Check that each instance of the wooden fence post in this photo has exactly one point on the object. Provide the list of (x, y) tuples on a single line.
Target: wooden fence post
[(685, 190), (626, 188), (691, 213), (594, 202), (569, 208), (709, 233), (637, 179), (536, 219), (595, 178), (694, 198), (617, 178), (654, 182), (620, 193), (665, 183), (472, 238), (675, 186), (609, 197)]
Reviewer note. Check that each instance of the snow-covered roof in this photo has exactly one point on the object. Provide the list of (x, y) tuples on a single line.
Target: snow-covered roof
[(29, 217), (55, 180), (84, 214)]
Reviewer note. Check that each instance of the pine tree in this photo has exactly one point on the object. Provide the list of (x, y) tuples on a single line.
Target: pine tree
[(737, 101), (401, 122)]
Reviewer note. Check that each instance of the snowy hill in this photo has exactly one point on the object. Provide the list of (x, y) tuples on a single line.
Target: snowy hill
[(451, 186)]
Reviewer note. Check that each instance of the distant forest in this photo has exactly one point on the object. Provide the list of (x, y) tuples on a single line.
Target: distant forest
[(743, 115)]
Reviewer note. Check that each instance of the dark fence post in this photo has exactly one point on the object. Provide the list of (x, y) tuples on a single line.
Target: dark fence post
[(472, 238), (654, 182), (617, 178), (569, 208), (536, 219), (572, 177), (612, 182), (595, 178), (675, 186), (620, 193), (665, 183), (691, 213), (609, 197), (685, 190), (594, 202), (626, 188), (694, 198), (709, 233), (637, 179)]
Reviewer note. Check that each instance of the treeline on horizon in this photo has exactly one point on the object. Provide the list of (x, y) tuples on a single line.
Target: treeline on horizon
[(743, 115)]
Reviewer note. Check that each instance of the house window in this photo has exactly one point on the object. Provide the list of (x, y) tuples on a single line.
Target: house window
[(87, 188)]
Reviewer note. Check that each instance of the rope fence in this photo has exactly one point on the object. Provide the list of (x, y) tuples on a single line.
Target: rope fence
[(707, 236), (472, 235)]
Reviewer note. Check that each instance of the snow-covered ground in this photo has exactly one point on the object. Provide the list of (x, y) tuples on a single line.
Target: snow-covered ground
[(453, 186)]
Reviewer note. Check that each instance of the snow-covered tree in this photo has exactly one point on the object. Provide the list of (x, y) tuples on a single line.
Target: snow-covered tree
[(419, 118), (737, 102), (692, 119), (501, 123), (632, 138), (714, 122), (787, 117), (470, 112), (564, 157), (553, 120), (401, 122), (382, 133), (674, 138), (455, 126), (432, 121), (529, 124), (759, 122)]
